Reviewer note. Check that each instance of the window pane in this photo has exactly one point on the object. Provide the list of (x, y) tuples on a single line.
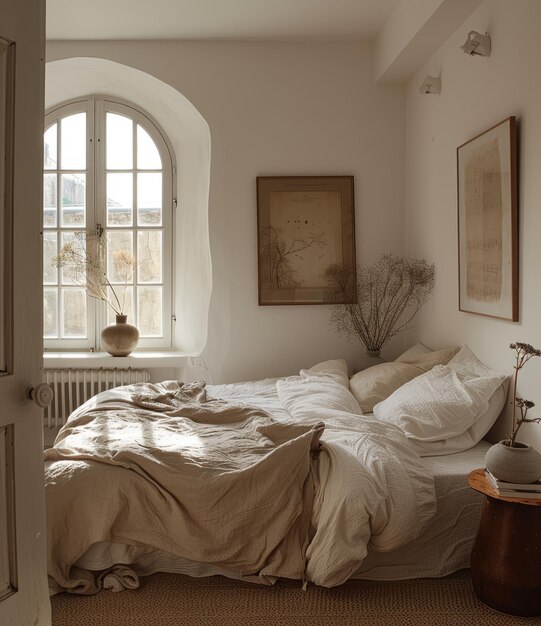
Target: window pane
[(49, 200), (119, 142), (148, 157), (149, 311), (149, 199), (50, 313), (73, 199), (134, 236), (74, 312), (73, 273), (73, 142), (119, 199), (149, 256), (125, 297), (120, 256), (50, 272), (50, 153)]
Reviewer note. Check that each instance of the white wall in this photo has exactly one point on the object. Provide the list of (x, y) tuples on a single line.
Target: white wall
[(275, 108), (189, 139), (477, 93)]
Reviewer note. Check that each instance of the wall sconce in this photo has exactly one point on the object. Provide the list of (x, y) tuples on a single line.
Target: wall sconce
[(431, 84), (477, 44)]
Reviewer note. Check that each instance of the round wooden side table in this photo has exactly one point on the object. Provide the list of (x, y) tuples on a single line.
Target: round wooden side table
[(506, 557)]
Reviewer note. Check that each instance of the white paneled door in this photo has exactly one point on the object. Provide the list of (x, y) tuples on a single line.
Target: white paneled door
[(23, 578)]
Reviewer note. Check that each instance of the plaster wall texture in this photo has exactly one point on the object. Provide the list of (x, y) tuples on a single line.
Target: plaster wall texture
[(476, 94), (273, 109)]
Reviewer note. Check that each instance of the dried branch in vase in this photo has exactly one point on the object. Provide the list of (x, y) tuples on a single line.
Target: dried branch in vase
[(383, 301), (84, 262)]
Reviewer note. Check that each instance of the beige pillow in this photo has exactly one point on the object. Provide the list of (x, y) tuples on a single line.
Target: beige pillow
[(419, 349), (377, 383), (334, 364), (430, 360)]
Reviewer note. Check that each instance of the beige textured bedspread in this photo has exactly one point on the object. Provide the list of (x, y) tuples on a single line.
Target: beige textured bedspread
[(210, 481)]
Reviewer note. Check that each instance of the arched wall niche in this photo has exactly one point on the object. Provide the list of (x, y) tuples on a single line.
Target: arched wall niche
[(189, 136)]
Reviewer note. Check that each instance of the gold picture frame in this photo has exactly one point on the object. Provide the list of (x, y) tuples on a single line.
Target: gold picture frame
[(488, 223), (305, 224)]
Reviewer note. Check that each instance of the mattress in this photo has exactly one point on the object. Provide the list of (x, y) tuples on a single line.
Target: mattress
[(444, 545)]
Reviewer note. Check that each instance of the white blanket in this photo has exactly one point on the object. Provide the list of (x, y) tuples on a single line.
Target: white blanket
[(369, 484)]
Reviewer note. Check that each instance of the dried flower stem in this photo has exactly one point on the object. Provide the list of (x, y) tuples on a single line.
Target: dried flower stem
[(523, 353), (515, 381)]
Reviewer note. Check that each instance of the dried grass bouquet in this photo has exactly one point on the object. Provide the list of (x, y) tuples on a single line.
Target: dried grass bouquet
[(84, 262), (382, 301)]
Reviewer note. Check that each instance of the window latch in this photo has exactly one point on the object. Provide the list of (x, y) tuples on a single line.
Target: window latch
[(99, 230)]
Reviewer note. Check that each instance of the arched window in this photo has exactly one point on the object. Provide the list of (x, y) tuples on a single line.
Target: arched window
[(108, 181)]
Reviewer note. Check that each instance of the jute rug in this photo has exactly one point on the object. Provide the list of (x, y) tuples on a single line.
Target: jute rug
[(175, 600)]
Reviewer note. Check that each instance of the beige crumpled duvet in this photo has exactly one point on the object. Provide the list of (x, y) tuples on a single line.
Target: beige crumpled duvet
[(299, 491), (210, 481)]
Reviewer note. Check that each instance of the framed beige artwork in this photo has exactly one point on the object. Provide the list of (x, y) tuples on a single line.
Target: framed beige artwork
[(305, 224), (488, 223)]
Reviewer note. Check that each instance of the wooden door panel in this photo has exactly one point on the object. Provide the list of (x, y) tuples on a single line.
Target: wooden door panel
[(23, 578), (7, 110), (8, 537)]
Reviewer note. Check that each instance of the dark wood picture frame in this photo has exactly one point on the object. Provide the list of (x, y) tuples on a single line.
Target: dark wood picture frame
[(488, 223), (304, 224)]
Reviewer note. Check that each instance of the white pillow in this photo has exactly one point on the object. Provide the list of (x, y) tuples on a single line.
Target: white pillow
[(477, 431), (437, 410), (376, 383), (467, 364), (326, 390)]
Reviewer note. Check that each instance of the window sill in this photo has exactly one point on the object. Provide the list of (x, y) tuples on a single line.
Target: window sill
[(95, 360)]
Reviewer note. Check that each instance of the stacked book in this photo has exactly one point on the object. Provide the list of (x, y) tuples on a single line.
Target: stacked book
[(529, 491)]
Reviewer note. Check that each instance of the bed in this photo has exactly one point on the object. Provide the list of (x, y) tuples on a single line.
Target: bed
[(408, 517), (444, 547)]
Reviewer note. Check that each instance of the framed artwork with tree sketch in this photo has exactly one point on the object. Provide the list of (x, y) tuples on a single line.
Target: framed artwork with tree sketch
[(487, 223), (305, 224)]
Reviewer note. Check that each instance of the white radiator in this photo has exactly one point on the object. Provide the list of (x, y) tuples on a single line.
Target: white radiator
[(73, 387)]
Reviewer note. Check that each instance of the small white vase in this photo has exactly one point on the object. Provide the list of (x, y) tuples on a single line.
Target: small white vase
[(374, 357), (518, 464), (120, 339), (371, 358), (373, 353)]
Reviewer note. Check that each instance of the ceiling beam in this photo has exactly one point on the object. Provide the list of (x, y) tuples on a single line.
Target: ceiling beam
[(413, 32)]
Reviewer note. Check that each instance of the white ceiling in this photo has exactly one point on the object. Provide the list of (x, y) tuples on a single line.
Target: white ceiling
[(217, 19)]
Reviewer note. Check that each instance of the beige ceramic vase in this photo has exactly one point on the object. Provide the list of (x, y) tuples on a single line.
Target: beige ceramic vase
[(120, 339), (519, 464)]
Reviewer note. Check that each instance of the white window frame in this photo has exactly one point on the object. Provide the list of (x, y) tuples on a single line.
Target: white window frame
[(96, 108), (54, 117)]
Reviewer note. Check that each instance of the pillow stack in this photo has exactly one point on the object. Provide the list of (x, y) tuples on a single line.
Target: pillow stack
[(449, 408), (377, 383)]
